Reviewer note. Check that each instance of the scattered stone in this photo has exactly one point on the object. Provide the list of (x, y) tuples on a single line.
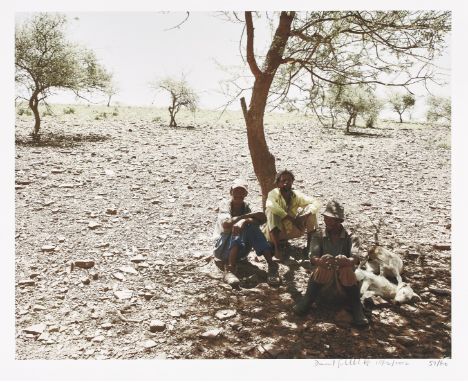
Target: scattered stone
[(225, 314), (107, 326), (157, 326), (405, 340), (148, 344), (119, 276), (94, 275), (94, 225), (103, 245), (123, 294), (326, 327), (85, 280), (130, 270), (35, 329), (85, 264), (109, 173), (138, 259), (26, 282), (48, 248), (99, 338), (442, 247), (440, 291), (212, 333), (175, 313), (111, 211), (39, 307), (61, 239)]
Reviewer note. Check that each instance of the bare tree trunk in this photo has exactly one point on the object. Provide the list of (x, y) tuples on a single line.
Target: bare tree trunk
[(263, 161), (354, 121), (108, 101), (172, 123), (34, 106), (401, 119)]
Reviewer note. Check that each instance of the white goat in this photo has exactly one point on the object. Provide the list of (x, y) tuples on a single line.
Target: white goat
[(378, 285), (385, 263)]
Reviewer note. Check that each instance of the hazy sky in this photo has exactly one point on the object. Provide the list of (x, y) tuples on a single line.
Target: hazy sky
[(141, 47)]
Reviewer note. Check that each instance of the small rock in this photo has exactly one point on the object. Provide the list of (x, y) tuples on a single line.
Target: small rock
[(94, 275), (123, 294), (442, 247), (138, 259), (157, 326), (175, 313), (405, 340), (94, 225), (61, 239), (26, 282), (39, 307), (111, 211), (119, 276), (130, 270), (106, 326), (48, 248), (212, 333), (225, 314), (99, 338), (86, 264), (85, 280), (440, 291), (109, 173), (148, 344), (35, 329), (102, 245)]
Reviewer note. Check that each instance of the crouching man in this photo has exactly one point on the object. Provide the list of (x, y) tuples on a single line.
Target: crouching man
[(331, 252), (237, 231), (290, 213)]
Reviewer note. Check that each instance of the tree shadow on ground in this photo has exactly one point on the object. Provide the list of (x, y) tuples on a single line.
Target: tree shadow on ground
[(266, 327), (60, 140)]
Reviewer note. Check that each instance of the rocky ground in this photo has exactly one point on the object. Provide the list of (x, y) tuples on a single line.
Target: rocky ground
[(114, 218)]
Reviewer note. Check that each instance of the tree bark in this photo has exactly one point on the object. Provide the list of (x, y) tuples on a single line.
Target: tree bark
[(262, 160), (401, 119), (34, 106)]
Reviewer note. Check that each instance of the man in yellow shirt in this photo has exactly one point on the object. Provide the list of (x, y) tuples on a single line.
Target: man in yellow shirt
[(290, 214)]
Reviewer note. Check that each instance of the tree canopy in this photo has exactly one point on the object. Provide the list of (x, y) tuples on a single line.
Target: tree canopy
[(310, 50), (45, 60), (182, 96)]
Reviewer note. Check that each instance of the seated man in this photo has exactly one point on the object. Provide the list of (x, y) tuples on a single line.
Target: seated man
[(331, 252), (237, 231), (290, 213)]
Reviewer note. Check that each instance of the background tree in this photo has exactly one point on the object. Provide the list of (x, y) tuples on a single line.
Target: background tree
[(45, 61), (401, 103), (439, 109), (182, 95), (310, 49), (111, 89), (353, 101)]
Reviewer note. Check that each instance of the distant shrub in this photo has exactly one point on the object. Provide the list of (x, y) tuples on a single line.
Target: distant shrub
[(157, 120), (439, 109), (115, 112), (102, 115), (24, 111), (47, 112), (69, 110)]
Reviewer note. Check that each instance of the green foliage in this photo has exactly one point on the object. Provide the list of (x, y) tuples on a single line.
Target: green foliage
[(115, 112), (352, 101), (157, 119), (401, 103), (439, 109), (69, 110), (24, 111), (45, 60), (182, 96), (99, 116)]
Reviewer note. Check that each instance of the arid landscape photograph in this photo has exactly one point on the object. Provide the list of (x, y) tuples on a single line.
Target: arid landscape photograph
[(131, 131)]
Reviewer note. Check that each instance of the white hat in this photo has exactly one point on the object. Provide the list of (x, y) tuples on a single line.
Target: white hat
[(239, 183)]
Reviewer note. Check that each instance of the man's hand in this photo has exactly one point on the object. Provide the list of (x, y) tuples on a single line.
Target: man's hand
[(327, 261), (237, 228), (298, 222), (344, 261)]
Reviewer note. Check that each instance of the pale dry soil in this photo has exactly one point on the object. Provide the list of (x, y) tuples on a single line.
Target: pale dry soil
[(139, 199)]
